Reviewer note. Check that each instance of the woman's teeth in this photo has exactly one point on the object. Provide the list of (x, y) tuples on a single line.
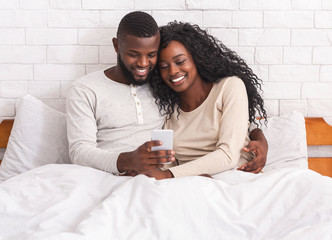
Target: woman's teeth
[(177, 79)]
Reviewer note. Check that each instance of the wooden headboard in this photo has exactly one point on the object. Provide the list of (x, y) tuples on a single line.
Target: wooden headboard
[(5, 128), (318, 133)]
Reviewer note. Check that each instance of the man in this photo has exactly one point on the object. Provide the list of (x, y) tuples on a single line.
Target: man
[(111, 112)]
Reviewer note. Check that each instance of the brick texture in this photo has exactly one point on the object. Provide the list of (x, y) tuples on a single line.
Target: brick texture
[(44, 45)]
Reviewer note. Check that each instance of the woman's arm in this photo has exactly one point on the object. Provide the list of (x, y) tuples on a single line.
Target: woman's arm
[(232, 103)]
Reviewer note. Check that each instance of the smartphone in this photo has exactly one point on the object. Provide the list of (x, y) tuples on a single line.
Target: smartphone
[(166, 136)]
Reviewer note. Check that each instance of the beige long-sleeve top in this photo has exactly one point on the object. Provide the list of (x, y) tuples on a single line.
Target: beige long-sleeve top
[(209, 139)]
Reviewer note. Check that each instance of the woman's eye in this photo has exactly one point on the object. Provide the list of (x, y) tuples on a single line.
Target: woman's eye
[(180, 62), (162, 67)]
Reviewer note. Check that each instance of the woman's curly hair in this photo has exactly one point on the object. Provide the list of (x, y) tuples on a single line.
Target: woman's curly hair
[(213, 61)]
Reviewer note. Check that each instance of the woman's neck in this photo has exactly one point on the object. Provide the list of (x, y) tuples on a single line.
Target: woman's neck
[(195, 96)]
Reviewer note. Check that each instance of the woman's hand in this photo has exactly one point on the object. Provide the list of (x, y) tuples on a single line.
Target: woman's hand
[(158, 174)]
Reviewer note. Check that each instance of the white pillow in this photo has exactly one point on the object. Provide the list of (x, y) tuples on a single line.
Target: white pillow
[(286, 136), (38, 137)]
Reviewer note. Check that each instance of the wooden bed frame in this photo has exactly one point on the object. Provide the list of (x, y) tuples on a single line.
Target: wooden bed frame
[(318, 133)]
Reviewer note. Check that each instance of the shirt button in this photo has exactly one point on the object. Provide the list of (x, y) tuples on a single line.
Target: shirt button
[(137, 103), (134, 94)]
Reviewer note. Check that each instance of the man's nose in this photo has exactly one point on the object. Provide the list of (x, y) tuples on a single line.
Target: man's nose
[(143, 61)]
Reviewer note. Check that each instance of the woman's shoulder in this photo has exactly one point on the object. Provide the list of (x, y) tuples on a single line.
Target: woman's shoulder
[(232, 82)]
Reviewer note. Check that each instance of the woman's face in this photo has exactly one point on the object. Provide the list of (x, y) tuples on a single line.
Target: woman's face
[(177, 67)]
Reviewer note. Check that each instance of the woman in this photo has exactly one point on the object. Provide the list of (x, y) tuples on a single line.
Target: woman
[(210, 96)]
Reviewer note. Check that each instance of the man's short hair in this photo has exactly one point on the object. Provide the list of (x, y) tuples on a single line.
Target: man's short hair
[(138, 24)]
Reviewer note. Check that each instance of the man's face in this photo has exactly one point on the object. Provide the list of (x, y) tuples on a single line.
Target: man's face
[(137, 57)]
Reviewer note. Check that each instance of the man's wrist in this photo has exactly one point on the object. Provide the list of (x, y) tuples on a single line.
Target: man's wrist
[(168, 174), (121, 163), (256, 135)]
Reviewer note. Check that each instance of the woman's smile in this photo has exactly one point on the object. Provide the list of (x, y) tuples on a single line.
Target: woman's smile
[(179, 80)]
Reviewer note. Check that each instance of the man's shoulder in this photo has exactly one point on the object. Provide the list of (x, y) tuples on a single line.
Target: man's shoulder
[(90, 78), (90, 83)]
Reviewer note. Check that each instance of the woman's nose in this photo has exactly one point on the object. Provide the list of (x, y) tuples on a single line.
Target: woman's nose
[(173, 70)]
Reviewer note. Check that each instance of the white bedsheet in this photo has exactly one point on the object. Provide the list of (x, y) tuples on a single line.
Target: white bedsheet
[(73, 202)]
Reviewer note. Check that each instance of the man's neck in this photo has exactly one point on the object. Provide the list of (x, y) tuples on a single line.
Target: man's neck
[(116, 74)]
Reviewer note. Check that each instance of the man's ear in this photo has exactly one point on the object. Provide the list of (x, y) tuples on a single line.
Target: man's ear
[(115, 44)]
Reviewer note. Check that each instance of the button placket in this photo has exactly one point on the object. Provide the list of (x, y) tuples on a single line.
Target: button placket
[(138, 104)]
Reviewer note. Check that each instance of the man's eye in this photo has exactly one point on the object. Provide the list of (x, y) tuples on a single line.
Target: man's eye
[(131, 55), (152, 55)]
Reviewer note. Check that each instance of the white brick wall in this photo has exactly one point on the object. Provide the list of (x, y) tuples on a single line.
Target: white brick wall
[(14, 89), (327, 4), (288, 19), (12, 36), (73, 18), (35, 4), (326, 73), (153, 4), (294, 73), (230, 37), (96, 36), (65, 4), (212, 4), (163, 17), (107, 4), (274, 55), (264, 37), (16, 72), (218, 19), (22, 54), (240, 19), (288, 43), (46, 44), (56, 72), (297, 55), (306, 4), (44, 36), (7, 106), (5, 4), (72, 54), (265, 5)]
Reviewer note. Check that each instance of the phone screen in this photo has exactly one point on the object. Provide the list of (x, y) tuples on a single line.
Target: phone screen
[(166, 136)]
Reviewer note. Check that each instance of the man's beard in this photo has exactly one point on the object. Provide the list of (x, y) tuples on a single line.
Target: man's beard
[(129, 76)]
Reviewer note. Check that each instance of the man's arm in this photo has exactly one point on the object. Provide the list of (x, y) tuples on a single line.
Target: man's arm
[(82, 137), (259, 146)]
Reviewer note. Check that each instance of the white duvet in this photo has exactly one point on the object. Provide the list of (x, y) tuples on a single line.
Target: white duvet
[(73, 202)]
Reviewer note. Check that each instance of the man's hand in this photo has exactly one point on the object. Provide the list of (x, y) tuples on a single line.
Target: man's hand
[(159, 174), (259, 147), (143, 159)]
